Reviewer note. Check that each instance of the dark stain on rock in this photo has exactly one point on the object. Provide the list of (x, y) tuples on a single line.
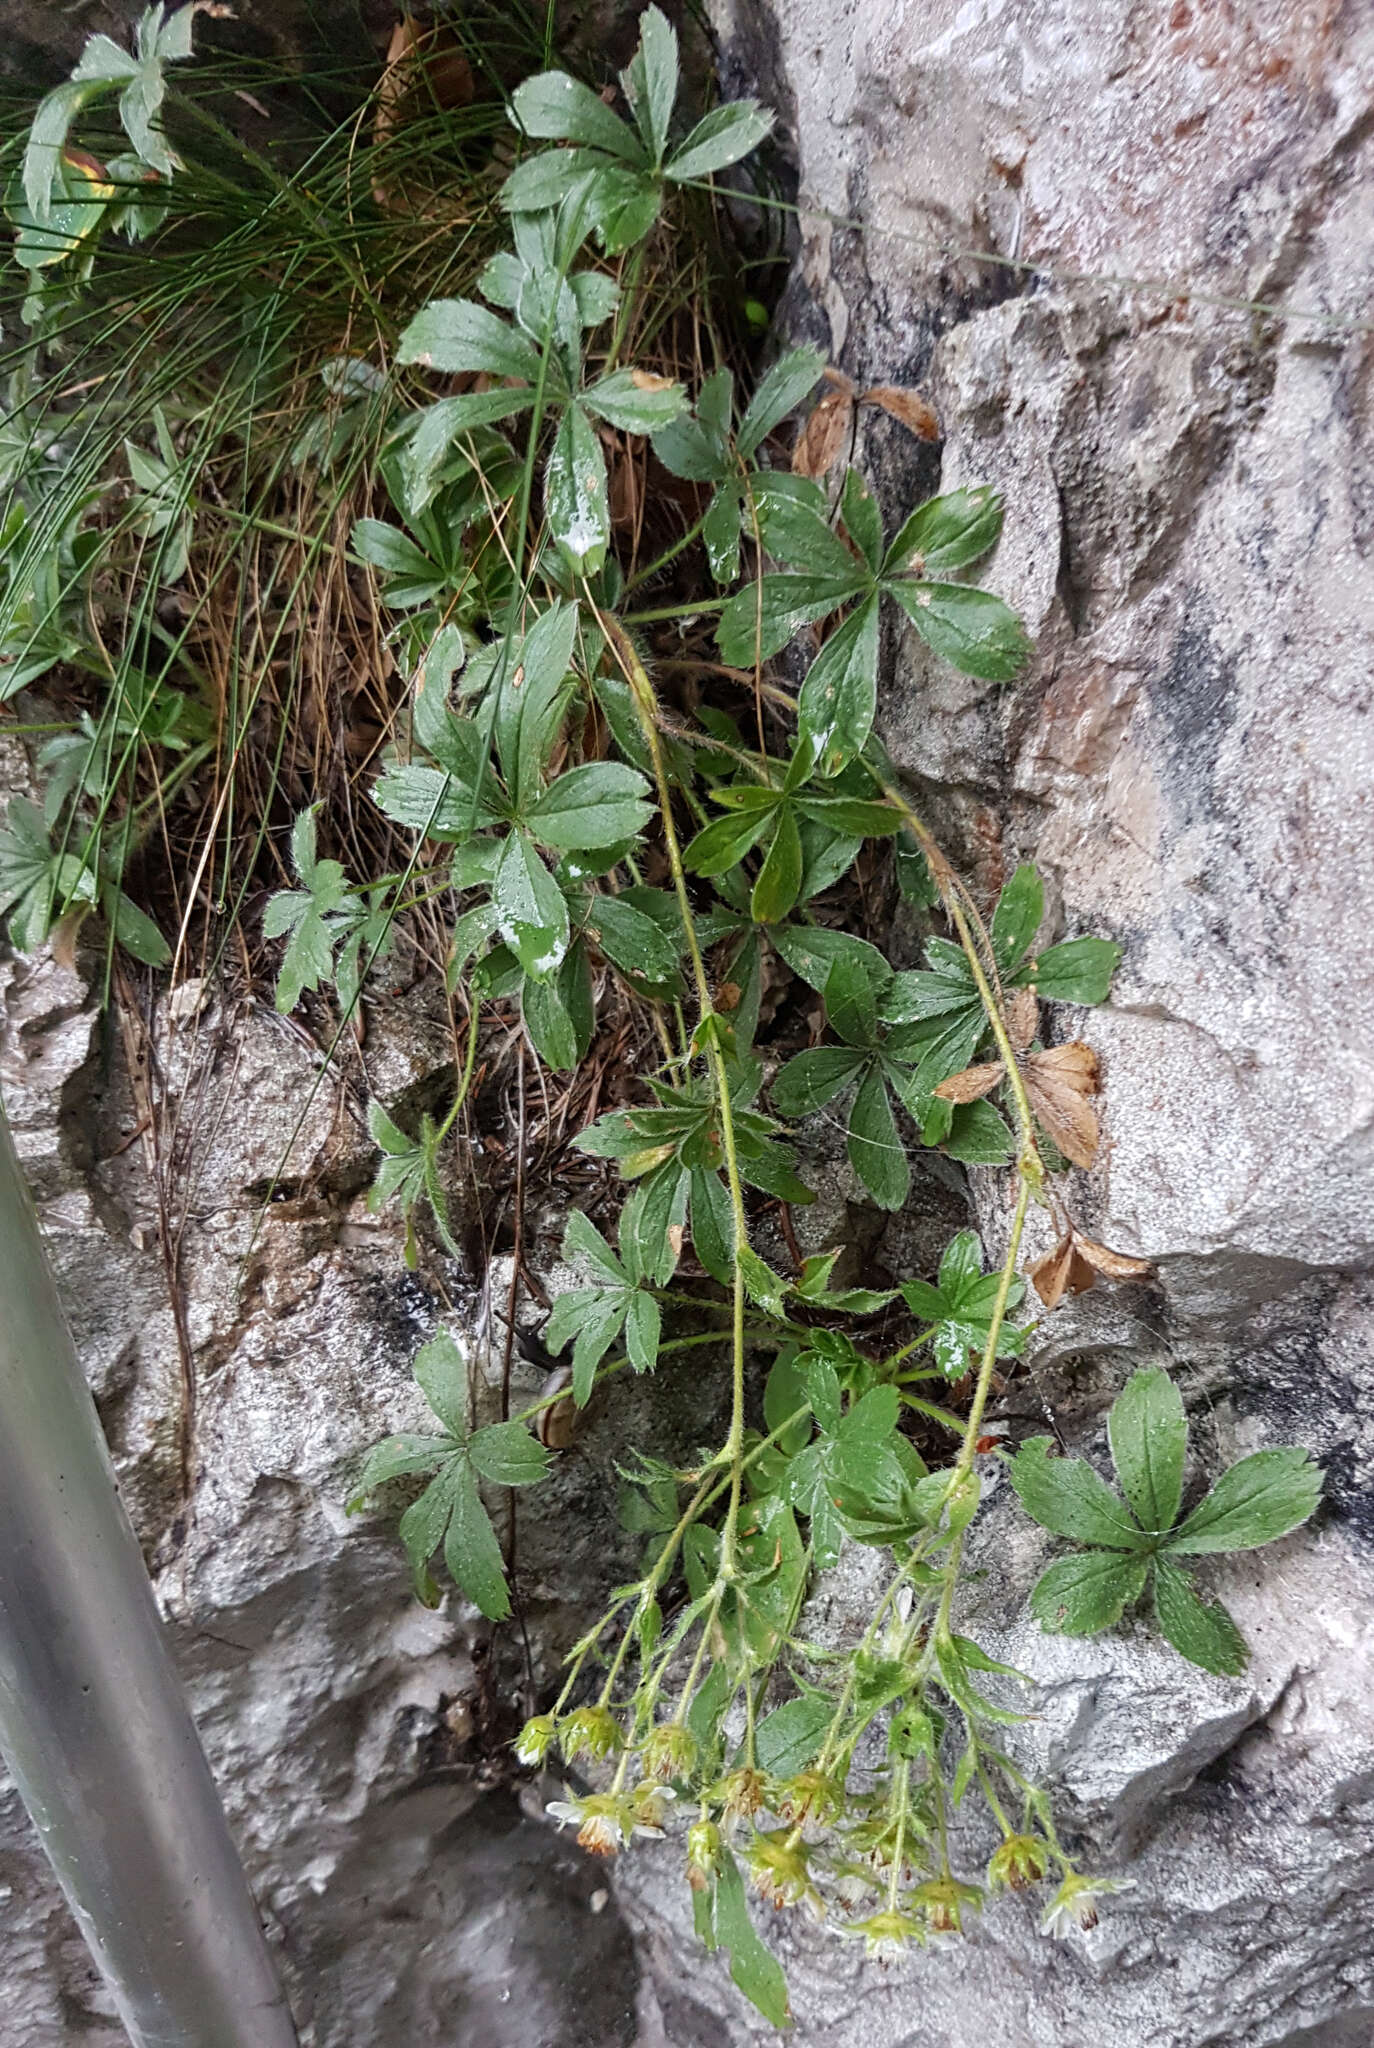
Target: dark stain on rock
[(1196, 700)]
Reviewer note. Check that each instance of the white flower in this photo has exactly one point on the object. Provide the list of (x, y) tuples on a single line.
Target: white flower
[(1073, 1909)]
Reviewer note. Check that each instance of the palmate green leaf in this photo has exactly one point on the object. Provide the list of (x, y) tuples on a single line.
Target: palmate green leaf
[(1080, 1595), (560, 1012), (1201, 1631), (946, 533), (960, 1308), (692, 446), (840, 695), (780, 878), (784, 1394), (762, 1285), (428, 800), (863, 522), (598, 804), (397, 1457), (430, 439), (772, 1578), (851, 1001), (722, 1920), (575, 494), (531, 908), (309, 956), (552, 107), (811, 951), (878, 1492), (634, 407), (713, 1224), (584, 1245), (471, 1551), (777, 610), (441, 1373), (1066, 1496), (875, 1151), (978, 1135), (650, 80), (48, 131), (953, 1663), (1078, 971), (424, 1522), (814, 1078), (507, 1455), (720, 845), (1148, 1433), (593, 1317), (542, 183), (532, 676), (720, 534), (654, 1213), (795, 526), (1017, 917), (1265, 1496), (623, 205), (973, 630), (643, 1331), (412, 576), (779, 391), (134, 930), (630, 938), (453, 335), (786, 1740), (720, 139)]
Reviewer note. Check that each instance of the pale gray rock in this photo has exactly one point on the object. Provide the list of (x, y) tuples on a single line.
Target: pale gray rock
[(351, 1731), (1188, 758)]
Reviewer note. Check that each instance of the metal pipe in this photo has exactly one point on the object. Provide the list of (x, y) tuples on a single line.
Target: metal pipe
[(93, 1722)]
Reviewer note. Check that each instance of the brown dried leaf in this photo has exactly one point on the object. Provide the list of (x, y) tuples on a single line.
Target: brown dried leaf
[(1061, 1272), (1022, 1013), (1074, 1265), (906, 406), (427, 65), (972, 1084), (1059, 1082), (822, 439), (1113, 1265)]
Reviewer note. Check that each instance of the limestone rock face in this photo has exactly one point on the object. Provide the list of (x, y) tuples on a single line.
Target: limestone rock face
[(1189, 758), (350, 1730)]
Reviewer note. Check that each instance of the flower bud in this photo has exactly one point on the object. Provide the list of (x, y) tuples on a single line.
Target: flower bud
[(593, 1729), (811, 1795), (534, 1741), (741, 1792), (703, 1850), (669, 1752), (1022, 1860), (779, 1869)]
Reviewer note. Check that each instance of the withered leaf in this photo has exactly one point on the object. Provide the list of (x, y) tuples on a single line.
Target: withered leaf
[(1114, 1265), (1061, 1272), (426, 67), (1059, 1081), (822, 439), (1074, 1264), (973, 1083), (906, 406)]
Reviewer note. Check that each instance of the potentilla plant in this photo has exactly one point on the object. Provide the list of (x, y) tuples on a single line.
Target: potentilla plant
[(558, 781), (598, 845)]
